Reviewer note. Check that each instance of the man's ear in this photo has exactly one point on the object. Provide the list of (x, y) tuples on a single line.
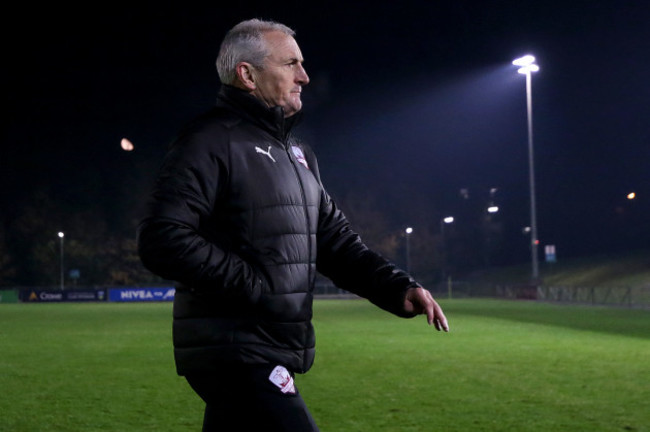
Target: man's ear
[(246, 75)]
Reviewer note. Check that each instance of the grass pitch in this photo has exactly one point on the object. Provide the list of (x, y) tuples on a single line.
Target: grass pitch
[(505, 366)]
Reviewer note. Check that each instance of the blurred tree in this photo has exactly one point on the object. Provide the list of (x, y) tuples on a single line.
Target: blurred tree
[(425, 253), (382, 229), (123, 266), (7, 269), (31, 237), (371, 224), (99, 256)]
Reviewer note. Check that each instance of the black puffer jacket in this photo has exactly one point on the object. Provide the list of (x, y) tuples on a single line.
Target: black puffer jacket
[(240, 219)]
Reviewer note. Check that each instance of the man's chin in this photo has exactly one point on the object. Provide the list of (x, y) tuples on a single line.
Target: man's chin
[(292, 109)]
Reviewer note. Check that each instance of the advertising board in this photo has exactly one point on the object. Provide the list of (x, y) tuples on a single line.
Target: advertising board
[(141, 294), (36, 295)]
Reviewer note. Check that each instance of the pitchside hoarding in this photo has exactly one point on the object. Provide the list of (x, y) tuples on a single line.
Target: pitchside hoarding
[(141, 294), (63, 296)]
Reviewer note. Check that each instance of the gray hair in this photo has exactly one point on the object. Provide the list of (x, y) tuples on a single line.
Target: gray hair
[(245, 43)]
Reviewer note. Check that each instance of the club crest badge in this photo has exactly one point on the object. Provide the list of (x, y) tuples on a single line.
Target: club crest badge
[(300, 156), (282, 379)]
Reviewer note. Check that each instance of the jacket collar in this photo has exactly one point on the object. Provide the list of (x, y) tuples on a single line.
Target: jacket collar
[(253, 110)]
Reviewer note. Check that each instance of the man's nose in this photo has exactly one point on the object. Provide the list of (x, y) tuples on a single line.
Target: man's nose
[(301, 76)]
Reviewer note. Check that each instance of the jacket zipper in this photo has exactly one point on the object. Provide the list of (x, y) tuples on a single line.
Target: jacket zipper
[(305, 209), (307, 220)]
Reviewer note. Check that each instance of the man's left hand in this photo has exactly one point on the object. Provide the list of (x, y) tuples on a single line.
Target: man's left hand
[(420, 301)]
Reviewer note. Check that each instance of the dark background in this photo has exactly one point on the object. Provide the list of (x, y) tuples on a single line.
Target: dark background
[(409, 102)]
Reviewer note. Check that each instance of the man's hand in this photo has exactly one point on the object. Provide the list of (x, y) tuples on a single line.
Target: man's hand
[(420, 301)]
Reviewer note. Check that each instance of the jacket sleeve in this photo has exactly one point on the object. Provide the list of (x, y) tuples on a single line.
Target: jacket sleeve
[(172, 242), (351, 265)]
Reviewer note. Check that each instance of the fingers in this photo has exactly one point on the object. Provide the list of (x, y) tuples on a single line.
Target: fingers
[(420, 301), (440, 319), (435, 316), (429, 307)]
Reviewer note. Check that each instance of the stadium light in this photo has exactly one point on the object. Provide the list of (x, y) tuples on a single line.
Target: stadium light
[(443, 221), (527, 67), (524, 61), (408, 231), (61, 236)]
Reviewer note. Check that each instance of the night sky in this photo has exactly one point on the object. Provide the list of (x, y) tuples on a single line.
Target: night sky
[(409, 102)]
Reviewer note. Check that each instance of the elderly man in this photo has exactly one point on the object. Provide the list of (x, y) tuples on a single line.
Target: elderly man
[(240, 218)]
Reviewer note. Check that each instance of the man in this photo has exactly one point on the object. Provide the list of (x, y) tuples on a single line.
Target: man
[(240, 218)]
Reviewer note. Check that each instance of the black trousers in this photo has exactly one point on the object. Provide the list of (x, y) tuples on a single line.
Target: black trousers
[(243, 398)]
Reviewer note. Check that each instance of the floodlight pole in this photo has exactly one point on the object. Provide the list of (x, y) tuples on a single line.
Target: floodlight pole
[(408, 231), (527, 67), (443, 240), (61, 236), (534, 243)]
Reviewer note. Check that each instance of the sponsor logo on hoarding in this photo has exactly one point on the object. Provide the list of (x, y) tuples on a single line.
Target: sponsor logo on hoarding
[(84, 295), (136, 295), (46, 296), (142, 294)]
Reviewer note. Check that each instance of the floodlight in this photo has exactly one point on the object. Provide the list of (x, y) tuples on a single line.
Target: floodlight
[(524, 61), (528, 69)]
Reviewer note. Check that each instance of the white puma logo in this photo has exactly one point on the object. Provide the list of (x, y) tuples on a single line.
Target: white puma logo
[(268, 152)]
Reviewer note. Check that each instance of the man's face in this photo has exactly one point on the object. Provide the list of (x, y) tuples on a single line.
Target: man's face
[(281, 80)]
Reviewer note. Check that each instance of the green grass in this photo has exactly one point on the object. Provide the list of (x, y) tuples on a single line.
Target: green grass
[(505, 366), (91, 367)]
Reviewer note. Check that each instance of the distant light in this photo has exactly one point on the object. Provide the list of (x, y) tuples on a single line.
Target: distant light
[(448, 219), (493, 209), (61, 234), (126, 145), (409, 230), (536, 241), (631, 195), (526, 230), (524, 61)]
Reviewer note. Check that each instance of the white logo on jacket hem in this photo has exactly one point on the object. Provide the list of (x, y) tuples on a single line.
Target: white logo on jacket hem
[(267, 152), (300, 156), (282, 379)]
